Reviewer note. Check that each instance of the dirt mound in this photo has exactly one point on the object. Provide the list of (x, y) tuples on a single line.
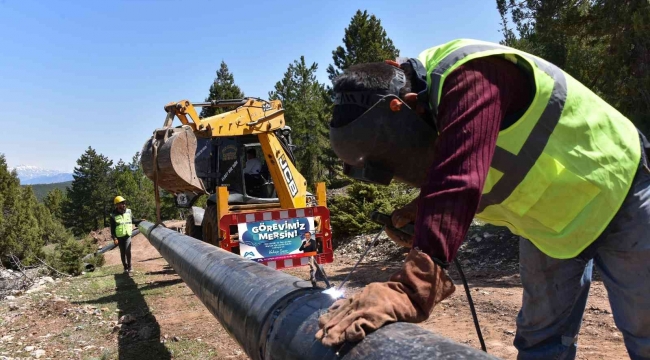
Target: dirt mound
[(385, 249), (101, 237), (489, 247), (336, 192), (486, 247)]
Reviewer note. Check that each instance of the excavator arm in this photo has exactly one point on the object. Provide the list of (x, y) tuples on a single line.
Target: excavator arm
[(289, 183), (252, 116), (168, 157)]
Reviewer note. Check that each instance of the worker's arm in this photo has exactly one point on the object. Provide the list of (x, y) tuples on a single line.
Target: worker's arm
[(134, 221), (253, 167), (113, 226), (476, 98)]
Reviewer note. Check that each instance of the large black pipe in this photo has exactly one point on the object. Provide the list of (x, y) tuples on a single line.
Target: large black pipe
[(273, 315)]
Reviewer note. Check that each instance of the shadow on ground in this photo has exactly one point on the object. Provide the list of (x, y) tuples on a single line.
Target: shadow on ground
[(167, 270), (139, 339)]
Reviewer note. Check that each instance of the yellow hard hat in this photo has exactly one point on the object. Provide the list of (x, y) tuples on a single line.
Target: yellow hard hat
[(118, 199)]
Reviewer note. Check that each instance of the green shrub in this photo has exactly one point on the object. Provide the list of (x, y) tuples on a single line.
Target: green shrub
[(98, 260), (350, 212), (68, 256), (337, 182)]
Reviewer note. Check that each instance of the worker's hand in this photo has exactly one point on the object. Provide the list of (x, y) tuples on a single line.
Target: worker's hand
[(115, 241), (409, 295), (400, 238), (400, 218)]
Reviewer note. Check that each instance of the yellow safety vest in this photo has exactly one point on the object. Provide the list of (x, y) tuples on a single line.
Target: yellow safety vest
[(124, 224), (561, 172)]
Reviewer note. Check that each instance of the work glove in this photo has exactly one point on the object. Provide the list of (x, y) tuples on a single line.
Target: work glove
[(400, 218), (115, 241), (409, 296)]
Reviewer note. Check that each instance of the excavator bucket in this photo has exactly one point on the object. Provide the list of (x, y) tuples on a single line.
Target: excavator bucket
[(169, 156)]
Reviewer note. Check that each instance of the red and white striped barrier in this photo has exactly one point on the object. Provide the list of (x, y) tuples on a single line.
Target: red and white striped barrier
[(323, 234)]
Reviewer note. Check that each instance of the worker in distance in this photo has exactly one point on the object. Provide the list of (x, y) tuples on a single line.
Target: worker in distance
[(122, 222)]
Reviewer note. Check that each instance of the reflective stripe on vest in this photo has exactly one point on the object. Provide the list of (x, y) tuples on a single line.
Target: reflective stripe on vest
[(514, 167), (123, 224), (561, 171)]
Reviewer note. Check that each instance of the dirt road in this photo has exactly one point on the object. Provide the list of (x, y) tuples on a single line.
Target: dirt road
[(169, 321)]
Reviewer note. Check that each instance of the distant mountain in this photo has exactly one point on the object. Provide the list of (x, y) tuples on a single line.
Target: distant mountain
[(41, 190), (30, 175)]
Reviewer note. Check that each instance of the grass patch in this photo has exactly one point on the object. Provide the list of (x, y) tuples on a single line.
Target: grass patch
[(191, 349), (107, 354), (83, 326)]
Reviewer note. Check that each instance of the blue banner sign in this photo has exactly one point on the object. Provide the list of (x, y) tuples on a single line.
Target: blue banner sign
[(277, 238)]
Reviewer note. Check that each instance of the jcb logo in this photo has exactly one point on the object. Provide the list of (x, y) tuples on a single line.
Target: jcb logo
[(288, 176)]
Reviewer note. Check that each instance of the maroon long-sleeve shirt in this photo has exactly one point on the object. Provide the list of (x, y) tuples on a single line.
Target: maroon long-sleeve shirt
[(478, 99)]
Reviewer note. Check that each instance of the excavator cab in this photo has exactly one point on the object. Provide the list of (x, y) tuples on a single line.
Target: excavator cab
[(257, 179), (223, 163)]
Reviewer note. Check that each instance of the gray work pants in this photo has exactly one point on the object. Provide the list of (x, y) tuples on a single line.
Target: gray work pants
[(556, 291), (124, 243)]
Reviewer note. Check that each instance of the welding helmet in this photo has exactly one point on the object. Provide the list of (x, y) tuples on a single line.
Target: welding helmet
[(389, 140)]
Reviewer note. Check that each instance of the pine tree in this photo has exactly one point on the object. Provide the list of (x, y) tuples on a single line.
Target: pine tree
[(604, 44), (9, 183), (70, 253), (89, 196), (22, 235), (43, 216), (365, 41), (129, 181), (168, 208), (25, 224), (54, 202), (10, 193), (303, 99), (143, 203), (123, 182), (222, 88)]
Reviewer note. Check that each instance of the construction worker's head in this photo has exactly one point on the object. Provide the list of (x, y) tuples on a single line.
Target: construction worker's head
[(380, 127), (251, 154), (120, 203)]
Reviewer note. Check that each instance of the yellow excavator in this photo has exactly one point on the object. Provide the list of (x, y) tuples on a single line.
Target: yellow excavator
[(210, 157)]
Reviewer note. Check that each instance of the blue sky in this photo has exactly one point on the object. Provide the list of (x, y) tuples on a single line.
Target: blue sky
[(75, 74)]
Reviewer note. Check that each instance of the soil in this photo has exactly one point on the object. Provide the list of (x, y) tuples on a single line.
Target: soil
[(101, 237), (171, 322)]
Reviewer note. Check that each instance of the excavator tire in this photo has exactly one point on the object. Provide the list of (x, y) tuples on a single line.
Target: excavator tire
[(192, 229), (210, 227)]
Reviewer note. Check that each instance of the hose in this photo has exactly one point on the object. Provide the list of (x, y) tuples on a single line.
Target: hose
[(471, 305), (285, 146), (385, 220)]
